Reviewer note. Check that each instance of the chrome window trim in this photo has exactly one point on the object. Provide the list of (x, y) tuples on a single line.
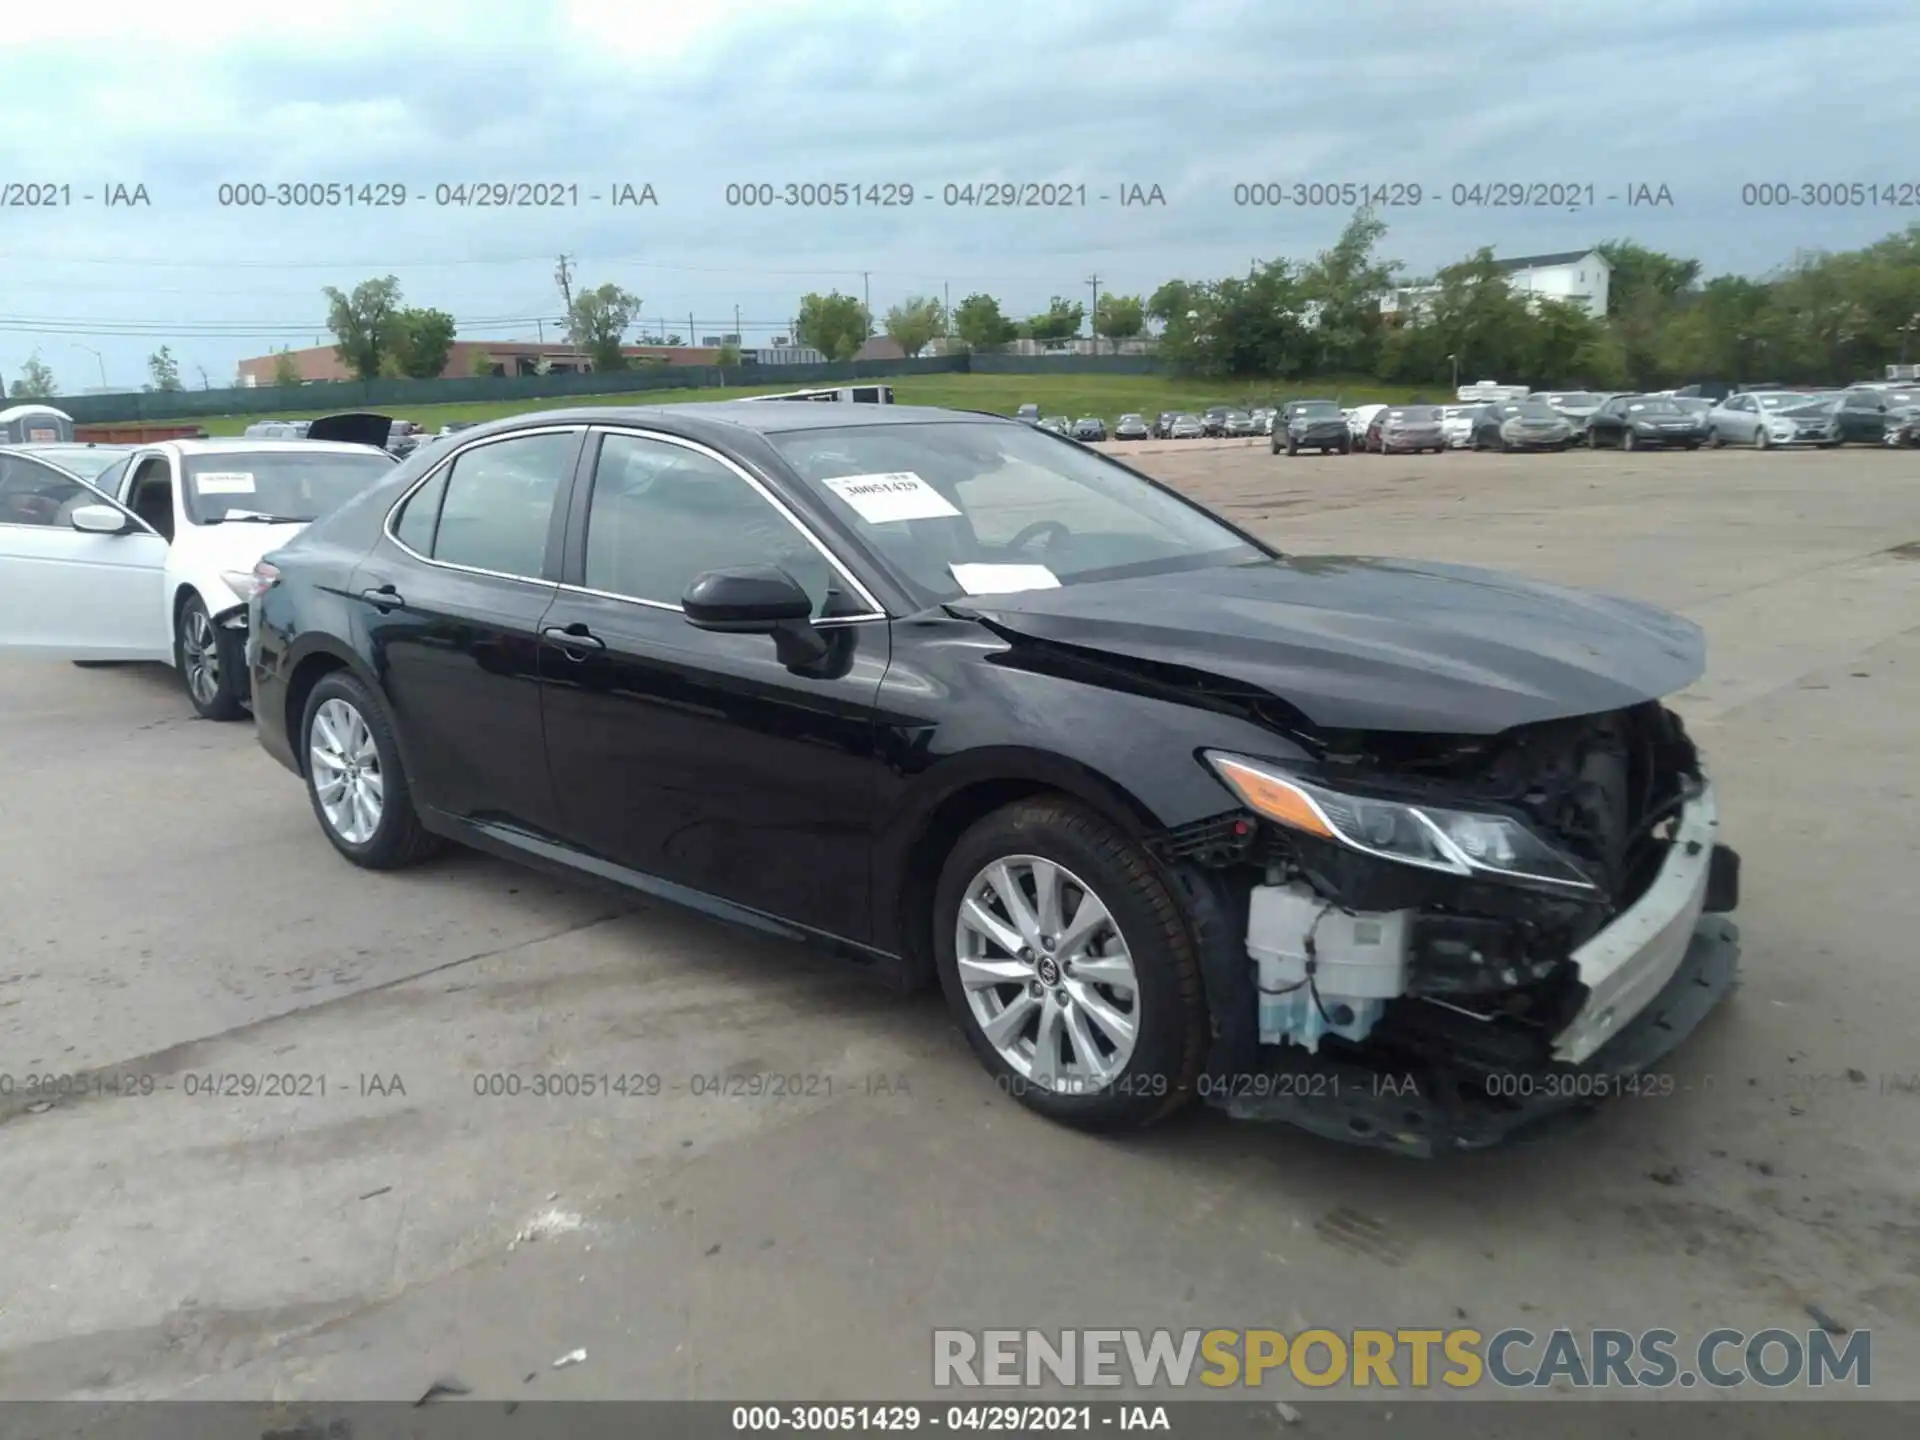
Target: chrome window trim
[(446, 462), (875, 611)]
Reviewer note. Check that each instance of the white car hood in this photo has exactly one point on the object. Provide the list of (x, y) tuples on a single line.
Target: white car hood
[(200, 553)]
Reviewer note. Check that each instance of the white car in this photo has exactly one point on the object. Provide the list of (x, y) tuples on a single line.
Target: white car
[(1359, 418), (157, 562), (1456, 424)]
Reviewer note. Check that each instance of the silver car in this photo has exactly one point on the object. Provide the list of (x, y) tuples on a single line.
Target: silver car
[(1406, 430), (1765, 419)]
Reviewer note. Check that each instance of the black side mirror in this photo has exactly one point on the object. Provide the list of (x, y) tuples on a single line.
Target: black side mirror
[(758, 600), (746, 600)]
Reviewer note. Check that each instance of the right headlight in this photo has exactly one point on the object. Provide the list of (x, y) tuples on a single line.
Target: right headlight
[(1457, 842)]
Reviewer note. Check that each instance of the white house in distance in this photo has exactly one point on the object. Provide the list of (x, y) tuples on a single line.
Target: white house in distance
[(1578, 276)]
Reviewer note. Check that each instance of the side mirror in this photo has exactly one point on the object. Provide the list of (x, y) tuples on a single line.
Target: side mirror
[(747, 600), (100, 520)]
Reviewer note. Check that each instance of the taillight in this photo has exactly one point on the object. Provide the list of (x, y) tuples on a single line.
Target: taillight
[(264, 577)]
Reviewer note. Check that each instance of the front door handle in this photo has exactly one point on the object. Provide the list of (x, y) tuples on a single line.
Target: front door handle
[(383, 598), (573, 638)]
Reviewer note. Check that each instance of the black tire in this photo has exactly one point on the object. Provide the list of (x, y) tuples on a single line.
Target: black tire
[(399, 839), (1693, 445), (1170, 1011), (1715, 439), (1292, 449), (1626, 440), (212, 661)]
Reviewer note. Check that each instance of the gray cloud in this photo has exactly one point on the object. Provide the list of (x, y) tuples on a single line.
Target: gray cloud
[(1194, 97)]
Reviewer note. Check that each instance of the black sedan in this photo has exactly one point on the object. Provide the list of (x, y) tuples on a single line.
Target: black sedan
[(1311, 425), (1089, 427), (1167, 814), (1163, 424), (1631, 422), (1132, 427)]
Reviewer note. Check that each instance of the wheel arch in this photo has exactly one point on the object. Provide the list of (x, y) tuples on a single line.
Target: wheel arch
[(320, 659), (970, 788)]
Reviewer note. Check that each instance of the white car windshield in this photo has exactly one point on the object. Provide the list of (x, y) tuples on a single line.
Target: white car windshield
[(278, 485), (86, 461), (952, 505)]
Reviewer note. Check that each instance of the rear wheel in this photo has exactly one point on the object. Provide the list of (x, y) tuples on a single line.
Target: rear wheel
[(212, 661), (355, 780), (1068, 963)]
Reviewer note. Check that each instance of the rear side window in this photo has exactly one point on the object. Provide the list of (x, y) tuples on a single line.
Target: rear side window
[(420, 515), (499, 503)]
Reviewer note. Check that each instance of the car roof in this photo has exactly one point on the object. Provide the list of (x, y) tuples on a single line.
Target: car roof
[(239, 445)]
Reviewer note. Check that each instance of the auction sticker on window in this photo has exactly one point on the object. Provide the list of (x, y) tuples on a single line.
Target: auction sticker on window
[(896, 495), (1004, 579), (224, 482)]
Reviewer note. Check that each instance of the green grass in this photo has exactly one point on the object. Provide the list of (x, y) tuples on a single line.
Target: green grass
[(1107, 396)]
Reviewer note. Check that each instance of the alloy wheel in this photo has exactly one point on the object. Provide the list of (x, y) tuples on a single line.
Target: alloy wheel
[(200, 654), (1047, 974), (345, 765)]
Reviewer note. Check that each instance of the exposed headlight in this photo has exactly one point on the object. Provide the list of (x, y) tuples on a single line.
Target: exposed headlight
[(1781, 430), (1458, 842)]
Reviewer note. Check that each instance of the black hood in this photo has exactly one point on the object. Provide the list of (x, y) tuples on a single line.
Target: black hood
[(355, 427), (1361, 643)]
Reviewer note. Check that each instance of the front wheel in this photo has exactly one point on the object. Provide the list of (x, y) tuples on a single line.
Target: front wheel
[(355, 780), (212, 661), (1627, 441), (1067, 961), (1762, 440)]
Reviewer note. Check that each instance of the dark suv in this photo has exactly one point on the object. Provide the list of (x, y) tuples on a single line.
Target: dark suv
[(1311, 425)]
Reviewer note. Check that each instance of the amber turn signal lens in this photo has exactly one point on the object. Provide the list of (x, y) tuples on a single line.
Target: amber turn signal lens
[(1273, 798)]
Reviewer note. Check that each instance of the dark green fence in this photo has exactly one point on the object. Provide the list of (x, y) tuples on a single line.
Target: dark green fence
[(1065, 365), (387, 395)]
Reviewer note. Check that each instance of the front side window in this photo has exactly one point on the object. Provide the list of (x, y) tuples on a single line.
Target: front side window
[(36, 494), (950, 505), (661, 515), (499, 504), (292, 485)]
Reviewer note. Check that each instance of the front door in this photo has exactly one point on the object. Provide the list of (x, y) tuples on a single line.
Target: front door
[(451, 604), (699, 758), (75, 594)]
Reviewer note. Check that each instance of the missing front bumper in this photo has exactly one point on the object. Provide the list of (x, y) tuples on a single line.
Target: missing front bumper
[(1424, 1115)]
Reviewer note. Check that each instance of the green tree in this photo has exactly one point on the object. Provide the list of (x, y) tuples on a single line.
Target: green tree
[(1119, 317), (728, 356), (479, 363), (1061, 321), (1173, 301), (981, 325), (836, 325), (1343, 287), (423, 339), (363, 324), (597, 322), (36, 380), (914, 322), (1636, 272), (164, 369), (286, 371)]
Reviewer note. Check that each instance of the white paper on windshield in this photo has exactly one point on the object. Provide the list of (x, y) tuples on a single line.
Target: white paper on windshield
[(896, 495), (1004, 579), (224, 482)]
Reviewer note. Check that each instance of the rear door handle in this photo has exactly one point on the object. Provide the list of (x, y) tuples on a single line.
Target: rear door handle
[(383, 598), (574, 637)]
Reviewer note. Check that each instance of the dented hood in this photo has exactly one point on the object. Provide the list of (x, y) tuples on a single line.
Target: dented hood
[(1361, 643)]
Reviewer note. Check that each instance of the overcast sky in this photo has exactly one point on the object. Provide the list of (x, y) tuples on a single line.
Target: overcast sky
[(689, 96)]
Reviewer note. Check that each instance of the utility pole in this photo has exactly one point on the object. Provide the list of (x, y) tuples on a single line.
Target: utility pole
[(736, 325), (866, 299), (1093, 316), (946, 310), (692, 339), (563, 277)]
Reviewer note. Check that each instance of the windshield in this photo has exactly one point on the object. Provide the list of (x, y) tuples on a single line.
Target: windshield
[(1317, 410), (288, 485), (82, 460), (950, 505), (1534, 410), (1410, 414), (1653, 407), (1573, 397)]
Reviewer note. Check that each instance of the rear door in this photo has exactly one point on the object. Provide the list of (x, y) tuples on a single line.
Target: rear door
[(450, 601), (75, 594)]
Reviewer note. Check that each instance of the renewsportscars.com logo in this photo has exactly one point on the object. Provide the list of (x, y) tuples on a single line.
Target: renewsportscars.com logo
[(1457, 1358)]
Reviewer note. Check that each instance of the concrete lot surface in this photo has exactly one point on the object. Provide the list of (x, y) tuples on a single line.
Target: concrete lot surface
[(171, 915)]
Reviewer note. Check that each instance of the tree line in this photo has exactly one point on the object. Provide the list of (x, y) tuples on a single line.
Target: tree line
[(1821, 318)]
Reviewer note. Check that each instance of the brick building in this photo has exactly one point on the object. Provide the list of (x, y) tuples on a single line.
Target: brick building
[(504, 357)]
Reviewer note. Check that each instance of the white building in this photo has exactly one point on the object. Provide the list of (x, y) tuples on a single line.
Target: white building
[(1578, 276)]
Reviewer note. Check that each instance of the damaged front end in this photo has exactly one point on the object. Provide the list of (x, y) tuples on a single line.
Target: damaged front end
[(1451, 939)]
